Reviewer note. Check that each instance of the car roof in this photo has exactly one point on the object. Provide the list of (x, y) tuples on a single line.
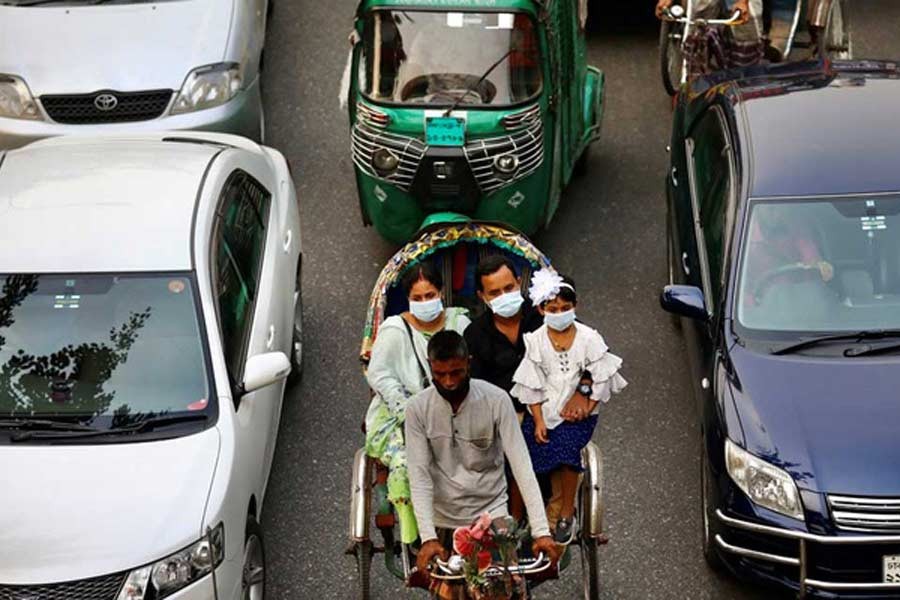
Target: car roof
[(834, 132), (100, 205)]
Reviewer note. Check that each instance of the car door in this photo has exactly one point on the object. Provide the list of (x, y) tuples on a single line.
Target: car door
[(244, 270), (712, 193)]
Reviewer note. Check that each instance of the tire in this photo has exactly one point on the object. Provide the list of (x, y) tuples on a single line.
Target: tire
[(836, 42), (671, 58), (590, 569), (708, 529), (297, 329), (363, 551), (670, 260), (581, 165), (253, 569)]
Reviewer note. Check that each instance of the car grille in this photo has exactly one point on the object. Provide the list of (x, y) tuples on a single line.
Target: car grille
[(82, 109), (526, 144), (97, 588), (866, 514), (367, 140)]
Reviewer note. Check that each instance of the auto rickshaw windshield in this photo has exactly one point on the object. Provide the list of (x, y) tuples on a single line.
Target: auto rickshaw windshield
[(440, 58)]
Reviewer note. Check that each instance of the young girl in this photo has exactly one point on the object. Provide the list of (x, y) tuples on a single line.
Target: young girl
[(564, 376)]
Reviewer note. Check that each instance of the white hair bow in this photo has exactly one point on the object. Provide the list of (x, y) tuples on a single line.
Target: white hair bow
[(545, 285)]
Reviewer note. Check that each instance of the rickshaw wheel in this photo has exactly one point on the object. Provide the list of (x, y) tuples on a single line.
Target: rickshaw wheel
[(363, 552), (671, 57), (590, 568)]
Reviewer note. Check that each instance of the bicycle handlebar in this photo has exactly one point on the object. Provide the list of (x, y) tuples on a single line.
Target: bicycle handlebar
[(526, 566), (668, 15)]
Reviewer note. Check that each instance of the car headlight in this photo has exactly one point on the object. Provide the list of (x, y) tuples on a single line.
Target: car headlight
[(209, 86), (764, 483), (167, 576), (16, 101)]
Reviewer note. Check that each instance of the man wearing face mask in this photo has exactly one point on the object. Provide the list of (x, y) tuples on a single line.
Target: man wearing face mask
[(457, 433)]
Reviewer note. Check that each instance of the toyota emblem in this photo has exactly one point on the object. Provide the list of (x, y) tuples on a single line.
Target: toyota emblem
[(106, 102)]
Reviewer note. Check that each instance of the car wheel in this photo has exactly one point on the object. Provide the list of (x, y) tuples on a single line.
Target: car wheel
[(707, 516), (253, 568), (297, 331)]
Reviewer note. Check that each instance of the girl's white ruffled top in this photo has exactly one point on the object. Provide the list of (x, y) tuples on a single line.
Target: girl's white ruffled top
[(549, 377)]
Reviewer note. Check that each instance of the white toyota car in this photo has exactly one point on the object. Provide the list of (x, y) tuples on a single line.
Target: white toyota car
[(149, 304)]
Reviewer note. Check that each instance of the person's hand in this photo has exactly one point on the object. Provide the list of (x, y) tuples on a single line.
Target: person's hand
[(826, 270), (540, 432), (578, 408), (546, 545), (427, 553), (744, 7), (661, 6)]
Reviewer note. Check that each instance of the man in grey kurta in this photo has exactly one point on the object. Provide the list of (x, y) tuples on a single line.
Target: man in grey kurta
[(457, 432)]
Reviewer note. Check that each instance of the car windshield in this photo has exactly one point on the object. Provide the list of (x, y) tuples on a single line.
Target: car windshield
[(407, 58), (104, 350), (821, 266)]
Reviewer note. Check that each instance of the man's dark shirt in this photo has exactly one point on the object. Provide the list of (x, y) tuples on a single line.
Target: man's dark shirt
[(494, 358)]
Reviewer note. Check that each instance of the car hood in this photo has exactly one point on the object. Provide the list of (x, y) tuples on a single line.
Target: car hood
[(122, 47), (834, 424), (71, 512)]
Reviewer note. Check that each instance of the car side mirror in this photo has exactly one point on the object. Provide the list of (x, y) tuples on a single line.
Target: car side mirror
[(685, 301), (263, 370)]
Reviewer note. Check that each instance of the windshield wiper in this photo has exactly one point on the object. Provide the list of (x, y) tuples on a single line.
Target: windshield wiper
[(871, 350), (139, 427), (43, 425), (859, 336), (472, 87)]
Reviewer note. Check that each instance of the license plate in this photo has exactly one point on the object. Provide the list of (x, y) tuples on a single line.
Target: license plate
[(892, 568), (445, 131)]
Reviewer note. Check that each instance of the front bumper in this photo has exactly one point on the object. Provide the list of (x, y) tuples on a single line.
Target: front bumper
[(816, 566), (242, 115)]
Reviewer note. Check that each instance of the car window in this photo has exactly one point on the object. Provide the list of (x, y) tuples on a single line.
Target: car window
[(712, 189), (108, 349), (240, 245)]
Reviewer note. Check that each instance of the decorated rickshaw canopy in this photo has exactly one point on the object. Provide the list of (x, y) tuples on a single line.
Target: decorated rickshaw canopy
[(431, 243)]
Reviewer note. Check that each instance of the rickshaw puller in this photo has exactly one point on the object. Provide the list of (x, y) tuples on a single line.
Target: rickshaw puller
[(457, 432)]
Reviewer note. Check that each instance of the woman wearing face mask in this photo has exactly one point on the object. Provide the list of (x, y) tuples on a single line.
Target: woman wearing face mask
[(565, 375), (398, 369)]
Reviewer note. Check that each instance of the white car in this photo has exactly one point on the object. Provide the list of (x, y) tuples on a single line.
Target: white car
[(96, 67), (148, 307)]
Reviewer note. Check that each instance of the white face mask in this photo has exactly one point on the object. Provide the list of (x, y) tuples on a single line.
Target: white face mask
[(560, 321), (427, 311), (508, 304)]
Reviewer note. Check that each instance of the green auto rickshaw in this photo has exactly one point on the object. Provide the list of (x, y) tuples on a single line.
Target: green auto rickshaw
[(474, 108)]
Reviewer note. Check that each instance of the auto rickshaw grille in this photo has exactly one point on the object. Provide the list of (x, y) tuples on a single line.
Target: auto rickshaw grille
[(527, 145), (120, 107), (97, 588), (367, 140)]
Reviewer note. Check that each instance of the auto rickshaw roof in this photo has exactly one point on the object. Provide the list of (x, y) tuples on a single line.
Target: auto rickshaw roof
[(432, 240), (531, 6)]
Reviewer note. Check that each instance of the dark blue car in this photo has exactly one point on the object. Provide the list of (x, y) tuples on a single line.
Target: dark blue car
[(784, 246)]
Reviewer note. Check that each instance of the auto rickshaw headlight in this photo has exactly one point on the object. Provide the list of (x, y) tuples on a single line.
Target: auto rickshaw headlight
[(506, 164), (385, 161)]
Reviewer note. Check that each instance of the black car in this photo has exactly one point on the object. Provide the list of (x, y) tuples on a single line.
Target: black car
[(784, 248)]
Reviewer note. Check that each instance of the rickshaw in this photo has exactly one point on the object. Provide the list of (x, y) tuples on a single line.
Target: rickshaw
[(785, 22), (455, 250), (482, 108)]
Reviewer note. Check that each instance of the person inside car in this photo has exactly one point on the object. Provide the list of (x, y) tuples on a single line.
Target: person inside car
[(397, 370), (457, 434)]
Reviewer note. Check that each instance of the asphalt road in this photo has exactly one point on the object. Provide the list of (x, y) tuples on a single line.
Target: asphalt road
[(608, 235)]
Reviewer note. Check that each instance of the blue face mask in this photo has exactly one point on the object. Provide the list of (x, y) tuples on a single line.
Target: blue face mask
[(560, 321), (427, 311), (507, 305)]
